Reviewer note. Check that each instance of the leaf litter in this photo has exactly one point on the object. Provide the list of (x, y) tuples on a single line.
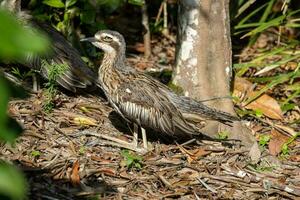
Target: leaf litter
[(64, 157), (63, 163)]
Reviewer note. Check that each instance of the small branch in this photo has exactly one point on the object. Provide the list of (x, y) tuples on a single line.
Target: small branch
[(147, 35), (165, 30), (159, 14)]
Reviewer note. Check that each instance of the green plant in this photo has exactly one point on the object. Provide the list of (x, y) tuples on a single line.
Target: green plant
[(82, 150), (131, 159), (256, 17), (263, 166), (285, 150), (21, 75), (54, 71), (264, 140), (35, 153), (223, 135)]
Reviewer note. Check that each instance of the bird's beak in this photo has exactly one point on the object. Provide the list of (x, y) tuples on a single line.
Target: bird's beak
[(90, 39)]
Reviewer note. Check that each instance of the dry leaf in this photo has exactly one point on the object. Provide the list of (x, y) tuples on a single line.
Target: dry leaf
[(108, 171), (75, 178), (295, 158), (85, 121), (241, 87), (200, 152), (194, 154), (276, 142), (286, 129), (266, 104)]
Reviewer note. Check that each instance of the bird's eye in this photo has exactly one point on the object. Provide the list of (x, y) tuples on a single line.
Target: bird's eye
[(107, 39)]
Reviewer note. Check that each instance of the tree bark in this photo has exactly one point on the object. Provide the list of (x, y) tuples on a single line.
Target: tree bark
[(203, 59)]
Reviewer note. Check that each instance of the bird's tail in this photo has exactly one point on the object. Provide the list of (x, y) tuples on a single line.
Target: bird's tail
[(189, 106)]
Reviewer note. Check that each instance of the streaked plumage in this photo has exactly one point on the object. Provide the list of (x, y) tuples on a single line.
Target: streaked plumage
[(142, 99), (77, 75), (195, 109)]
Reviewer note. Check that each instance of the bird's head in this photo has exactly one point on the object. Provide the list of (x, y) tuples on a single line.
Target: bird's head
[(109, 41)]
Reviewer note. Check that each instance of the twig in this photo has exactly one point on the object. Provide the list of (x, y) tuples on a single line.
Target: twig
[(159, 14), (206, 186), (165, 181), (147, 36), (165, 30)]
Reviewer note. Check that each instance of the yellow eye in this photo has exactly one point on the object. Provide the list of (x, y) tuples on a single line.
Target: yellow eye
[(107, 39)]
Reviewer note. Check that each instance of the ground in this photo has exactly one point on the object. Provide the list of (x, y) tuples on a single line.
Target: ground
[(65, 156)]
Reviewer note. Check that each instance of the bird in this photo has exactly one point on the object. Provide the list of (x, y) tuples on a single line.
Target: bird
[(76, 74), (143, 100)]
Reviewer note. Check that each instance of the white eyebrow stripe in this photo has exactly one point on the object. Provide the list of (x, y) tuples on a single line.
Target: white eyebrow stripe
[(97, 37)]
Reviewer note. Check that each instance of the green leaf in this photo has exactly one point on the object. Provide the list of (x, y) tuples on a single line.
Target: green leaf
[(88, 14), (137, 2), (35, 153), (14, 40), (258, 113), (132, 159), (3, 101), (70, 3), (264, 139), (287, 107), (223, 135), (285, 149), (54, 3), (10, 130), (12, 182)]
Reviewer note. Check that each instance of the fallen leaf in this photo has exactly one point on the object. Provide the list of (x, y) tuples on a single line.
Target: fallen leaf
[(295, 158), (188, 173), (276, 142), (265, 103), (200, 152), (286, 129), (242, 87), (108, 171), (85, 121), (75, 178), (193, 154)]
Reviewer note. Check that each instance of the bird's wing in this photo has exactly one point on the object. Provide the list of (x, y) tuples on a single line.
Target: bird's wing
[(141, 101), (76, 73)]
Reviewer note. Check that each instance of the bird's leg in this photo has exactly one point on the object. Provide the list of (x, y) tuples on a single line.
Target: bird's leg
[(145, 142), (35, 82), (113, 141), (135, 135)]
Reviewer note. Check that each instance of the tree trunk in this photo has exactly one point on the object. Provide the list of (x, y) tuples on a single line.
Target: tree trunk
[(203, 59)]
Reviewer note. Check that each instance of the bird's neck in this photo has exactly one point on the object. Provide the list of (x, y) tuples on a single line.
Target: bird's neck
[(112, 60), (112, 64)]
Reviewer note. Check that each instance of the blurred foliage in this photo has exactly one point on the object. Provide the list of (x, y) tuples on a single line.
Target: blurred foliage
[(14, 45), (12, 182), (14, 39)]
